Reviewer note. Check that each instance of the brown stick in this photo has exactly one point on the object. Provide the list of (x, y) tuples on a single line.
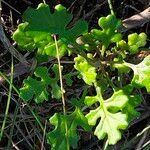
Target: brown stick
[(136, 20)]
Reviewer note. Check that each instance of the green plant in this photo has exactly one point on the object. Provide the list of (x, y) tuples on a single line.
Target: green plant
[(101, 52)]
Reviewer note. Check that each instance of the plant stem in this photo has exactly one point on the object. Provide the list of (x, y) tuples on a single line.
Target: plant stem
[(106, 145), (8, 101), (101, 100), (62, 91), (110, 7), (103, 50), (129, 65), (99, 94), (110, 81), (12, 127), (2, 74), (120, 80), (31, 110)]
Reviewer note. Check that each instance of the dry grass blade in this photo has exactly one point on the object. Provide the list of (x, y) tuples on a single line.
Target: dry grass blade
[(42, 144), (11, 7)]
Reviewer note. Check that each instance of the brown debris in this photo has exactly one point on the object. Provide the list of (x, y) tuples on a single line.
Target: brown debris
[(136, 20)]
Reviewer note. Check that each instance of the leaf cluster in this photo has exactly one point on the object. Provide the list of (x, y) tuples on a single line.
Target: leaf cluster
[(96, 59)]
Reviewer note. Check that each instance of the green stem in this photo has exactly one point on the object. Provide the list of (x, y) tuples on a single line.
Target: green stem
[(36, 116), (31, 110), (12, 127), (120, 79), (106, 145), (3, 76), (79, 51), (110, 7), (128, 65), (84, 94), (99, 94), (8, 101), (103, 50), (110, 81), (62, 91), (101, 100)]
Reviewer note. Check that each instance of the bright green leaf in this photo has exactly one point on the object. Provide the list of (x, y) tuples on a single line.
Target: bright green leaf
[(119, 64), (109, 33), (136, 41), (109, 125), (141, 76), (87, 72), (112, 118), (57, 138), (117, 101)]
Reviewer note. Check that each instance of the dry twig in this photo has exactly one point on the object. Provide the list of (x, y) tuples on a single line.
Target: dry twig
[(136, 20)]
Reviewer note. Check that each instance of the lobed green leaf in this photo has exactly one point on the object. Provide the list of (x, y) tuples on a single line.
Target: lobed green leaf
[(135, 41), (87, 72), (109, 33), (58, 138), (40, 26), (141, 76), (130, 110), (38, 89), (114, 113)]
